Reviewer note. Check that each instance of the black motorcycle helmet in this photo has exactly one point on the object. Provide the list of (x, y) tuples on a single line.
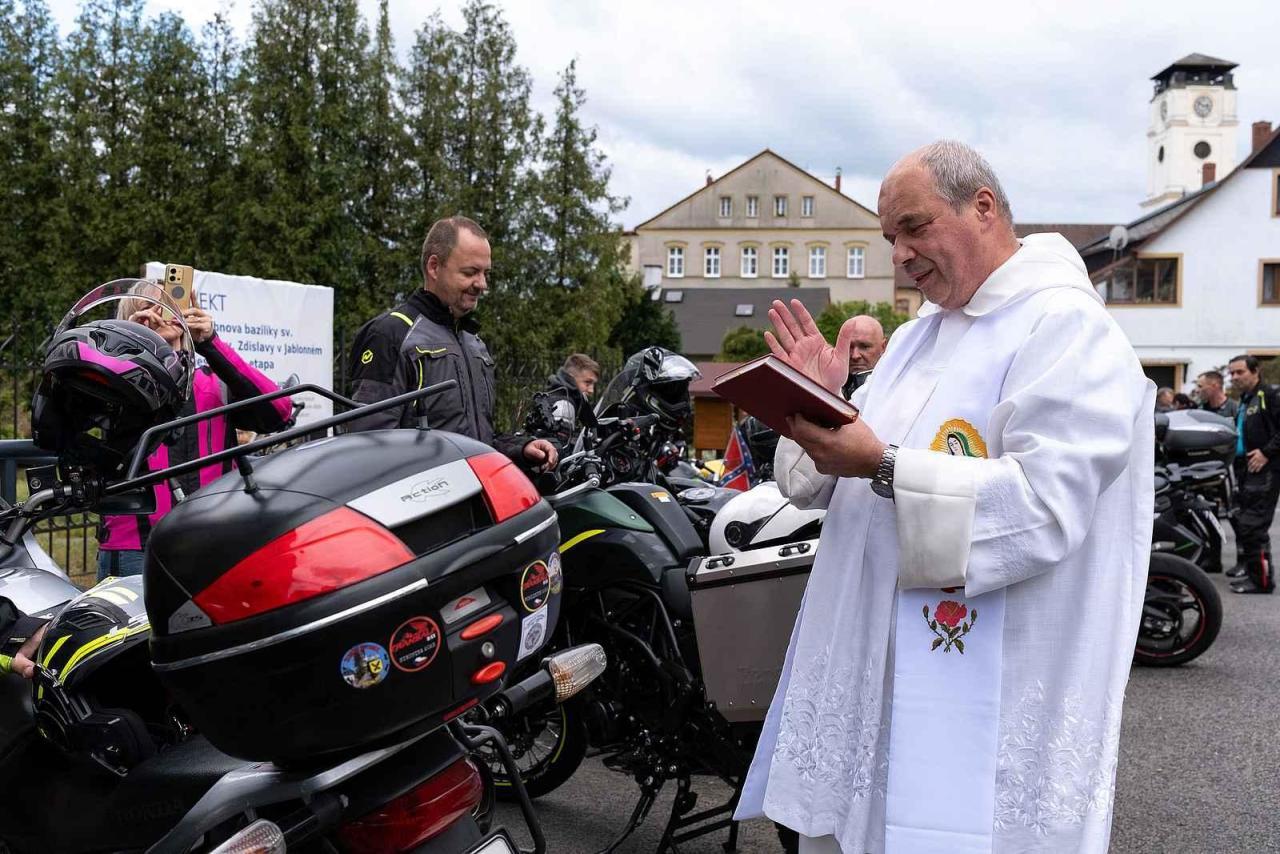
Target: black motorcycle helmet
[(104, 383), (91, 699), (656, 380), (762, 443)]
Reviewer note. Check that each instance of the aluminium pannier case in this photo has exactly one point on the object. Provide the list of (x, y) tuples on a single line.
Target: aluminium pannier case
[(744, 607), (372, 586)]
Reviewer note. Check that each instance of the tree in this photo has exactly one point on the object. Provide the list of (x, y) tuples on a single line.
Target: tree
[(306, 72), (577, 292), (835, 314), (645, 322), (220, 137), (99, 94), (387, 252), (32, 292), (742, 345), (168, 190)]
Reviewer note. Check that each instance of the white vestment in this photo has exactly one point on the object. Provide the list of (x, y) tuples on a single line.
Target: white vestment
[(1023, 491)]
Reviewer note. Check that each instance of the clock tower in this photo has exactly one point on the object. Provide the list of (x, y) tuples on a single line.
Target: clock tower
[(1192, 122)]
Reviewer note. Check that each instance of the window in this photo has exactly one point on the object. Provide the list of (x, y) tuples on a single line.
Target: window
[(857, 262), (779, 205), (744, 309), (750, 262), (711, 263), (1270, 274), (675, 261), (1275, 193), (818, 262), (1143, 281), (902, 306), (781, 262), (674, 296), (726, 206), (806, 206), (753, 207)]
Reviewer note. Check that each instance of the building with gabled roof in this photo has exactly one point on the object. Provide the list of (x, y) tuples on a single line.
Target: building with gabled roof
[(1197, 281), (763, 226)]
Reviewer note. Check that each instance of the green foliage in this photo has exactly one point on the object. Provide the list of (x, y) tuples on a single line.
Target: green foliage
[(645, 322), (1269, 370), (306, 153), (835, 314), (742, 344)]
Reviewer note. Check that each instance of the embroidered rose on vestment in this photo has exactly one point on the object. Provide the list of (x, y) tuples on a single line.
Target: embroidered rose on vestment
[(948, 624)]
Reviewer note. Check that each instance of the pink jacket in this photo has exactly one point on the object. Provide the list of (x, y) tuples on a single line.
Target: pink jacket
[(225, 379)]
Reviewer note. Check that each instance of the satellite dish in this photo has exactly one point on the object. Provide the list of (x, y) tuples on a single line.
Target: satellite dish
[(1118, 238)]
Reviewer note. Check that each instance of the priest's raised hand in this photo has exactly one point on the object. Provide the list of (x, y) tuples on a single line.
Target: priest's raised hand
[(796, 340)]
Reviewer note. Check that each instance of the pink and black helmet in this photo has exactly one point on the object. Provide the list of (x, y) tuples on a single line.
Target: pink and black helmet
[(104, 383)]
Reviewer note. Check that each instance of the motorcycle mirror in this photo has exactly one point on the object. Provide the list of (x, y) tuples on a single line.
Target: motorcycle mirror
[(574, 669)]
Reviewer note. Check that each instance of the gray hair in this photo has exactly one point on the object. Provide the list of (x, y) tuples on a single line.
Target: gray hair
[(959, 172)]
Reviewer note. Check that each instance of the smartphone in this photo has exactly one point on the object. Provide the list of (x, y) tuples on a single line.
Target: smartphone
[(178, 281)]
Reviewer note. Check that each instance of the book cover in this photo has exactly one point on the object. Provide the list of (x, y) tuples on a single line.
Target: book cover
[(771, 390)]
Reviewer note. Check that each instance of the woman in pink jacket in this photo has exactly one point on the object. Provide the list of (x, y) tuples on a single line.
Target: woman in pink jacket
[(224, 379)]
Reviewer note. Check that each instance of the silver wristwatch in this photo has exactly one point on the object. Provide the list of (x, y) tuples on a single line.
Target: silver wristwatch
[(882, 482)]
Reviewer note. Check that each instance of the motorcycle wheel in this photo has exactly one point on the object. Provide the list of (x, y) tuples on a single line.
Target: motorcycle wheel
[(548, 744), (1181, 613)]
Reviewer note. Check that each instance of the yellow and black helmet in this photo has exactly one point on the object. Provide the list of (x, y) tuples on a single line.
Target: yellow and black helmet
[(76, 694)]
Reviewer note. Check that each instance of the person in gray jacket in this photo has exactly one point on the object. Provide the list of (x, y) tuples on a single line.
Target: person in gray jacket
[(432, 337)]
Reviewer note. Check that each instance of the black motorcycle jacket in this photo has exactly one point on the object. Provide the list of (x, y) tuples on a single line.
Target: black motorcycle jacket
[(1261, 409), (415, 345)]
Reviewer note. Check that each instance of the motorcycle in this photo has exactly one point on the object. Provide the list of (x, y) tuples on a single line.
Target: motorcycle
[(159, 720)]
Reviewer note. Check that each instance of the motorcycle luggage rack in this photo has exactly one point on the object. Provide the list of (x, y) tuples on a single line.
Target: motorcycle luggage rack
[(240, 453)]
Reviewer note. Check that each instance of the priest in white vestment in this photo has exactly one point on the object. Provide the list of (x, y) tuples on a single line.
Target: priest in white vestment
[(955, 677)]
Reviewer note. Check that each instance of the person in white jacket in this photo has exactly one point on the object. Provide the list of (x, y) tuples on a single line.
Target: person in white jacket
[(955, 676)]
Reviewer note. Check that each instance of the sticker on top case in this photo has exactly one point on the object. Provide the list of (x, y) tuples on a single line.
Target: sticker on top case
[(365, 665), (533, 634), (414, 644), (535, 586)]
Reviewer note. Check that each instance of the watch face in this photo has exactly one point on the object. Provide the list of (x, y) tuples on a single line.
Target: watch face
[(1164, 109), (1203, 106)]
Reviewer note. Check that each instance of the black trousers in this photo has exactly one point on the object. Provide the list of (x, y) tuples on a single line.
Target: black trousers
[(1256, 497)]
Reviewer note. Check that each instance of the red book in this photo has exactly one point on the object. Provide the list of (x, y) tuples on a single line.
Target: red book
[(771, 390)]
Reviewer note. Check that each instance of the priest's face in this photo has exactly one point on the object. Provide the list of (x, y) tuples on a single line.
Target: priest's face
[(947, 253)]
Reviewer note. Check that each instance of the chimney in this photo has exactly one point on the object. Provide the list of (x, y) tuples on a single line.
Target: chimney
[(1208, 173), (708, 177), (1261, 133), (837, 179)]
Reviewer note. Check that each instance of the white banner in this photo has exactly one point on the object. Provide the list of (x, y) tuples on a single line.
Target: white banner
[(280, 328)]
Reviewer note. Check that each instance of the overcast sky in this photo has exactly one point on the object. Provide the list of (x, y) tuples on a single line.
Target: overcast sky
[(1054, 94)]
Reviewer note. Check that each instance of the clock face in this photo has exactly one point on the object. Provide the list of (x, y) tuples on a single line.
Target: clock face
[(1203, 106), (1164, 110)]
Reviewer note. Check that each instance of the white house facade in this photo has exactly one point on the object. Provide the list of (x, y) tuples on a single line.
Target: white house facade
[(1198, 281)]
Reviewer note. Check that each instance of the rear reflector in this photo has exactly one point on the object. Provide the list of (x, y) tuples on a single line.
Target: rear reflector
[(506, 490), (489, 673), (417, 815), (482, 626), (333, 551)]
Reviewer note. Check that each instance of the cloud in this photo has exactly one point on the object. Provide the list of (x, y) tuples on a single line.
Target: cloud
[(1055, 95)]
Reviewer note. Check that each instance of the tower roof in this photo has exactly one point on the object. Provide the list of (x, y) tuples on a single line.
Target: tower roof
[(1196, 62)]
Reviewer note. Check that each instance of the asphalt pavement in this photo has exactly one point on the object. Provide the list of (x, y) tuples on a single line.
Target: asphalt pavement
[(1199, 759)]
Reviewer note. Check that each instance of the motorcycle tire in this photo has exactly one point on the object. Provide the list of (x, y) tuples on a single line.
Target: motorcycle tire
[(562, 755), (1176, 588)]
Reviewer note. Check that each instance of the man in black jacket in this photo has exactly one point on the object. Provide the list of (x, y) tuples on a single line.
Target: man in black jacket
[(1257, 470), (432, 338)]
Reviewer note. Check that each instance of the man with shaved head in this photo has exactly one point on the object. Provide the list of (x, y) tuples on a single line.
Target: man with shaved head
[(866, 346), (955, 676)]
